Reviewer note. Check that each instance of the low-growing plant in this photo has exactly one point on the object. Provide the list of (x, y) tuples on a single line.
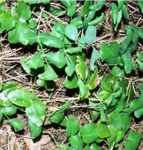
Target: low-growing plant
[(100, 73)]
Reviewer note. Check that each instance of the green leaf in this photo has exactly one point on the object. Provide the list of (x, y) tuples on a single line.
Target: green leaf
[(23, 11), (83, 90), (138, 113), (81, 69), (117, 72), (92, 80), (120, 121), (71, 63), (71, 83), (85, 8), (35, 1), (59, 28), (90, 35), (77, 21), (22, 34), (76, 142), (57, 117), (135, 105), (36, 113), (102, 130), (97, 20), (71, 32), (99, 5), (21, 97), (49, 74), (57, 59), (35, 63), (35, 130), (127, 61), (70, 6), (94, 57), (50, 40), (73, 50), (110, 52), (9, 110), (114, 13), (7, 21), (72, 125), (88, 133), (133, 140), (17, 124)]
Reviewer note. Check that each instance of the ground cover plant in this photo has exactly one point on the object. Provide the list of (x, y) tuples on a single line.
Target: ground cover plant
[(73, 70)]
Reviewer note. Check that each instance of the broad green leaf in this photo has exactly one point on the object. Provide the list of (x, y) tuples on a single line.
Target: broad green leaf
[(71, 32), (70, 83), (138, 113), (88, 133), (49, 74), (99, 5), (7, 21), (36, 113), (59, 27), (21, 97), (23, 11), (22, 34), (9, 85), (97, 20), (73, 50), (125, 12), (119, 18), (85, 8), (94, 57), (70, 6), (135, 105), (32, 23), (92, 80), (57, 117), (50, 40), (133, 140), (108, 82), (17, 124), (76, 142), (109, 51), (127, 61), (114, 13), (57, 59), (72, 125), (33, 64), (116, 135), (35, 130), (90, 35), (83, 90), (71, 63), (77, 21), (102, 130), (81, 69), (120, 121), (9, 110), (117, 72)]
